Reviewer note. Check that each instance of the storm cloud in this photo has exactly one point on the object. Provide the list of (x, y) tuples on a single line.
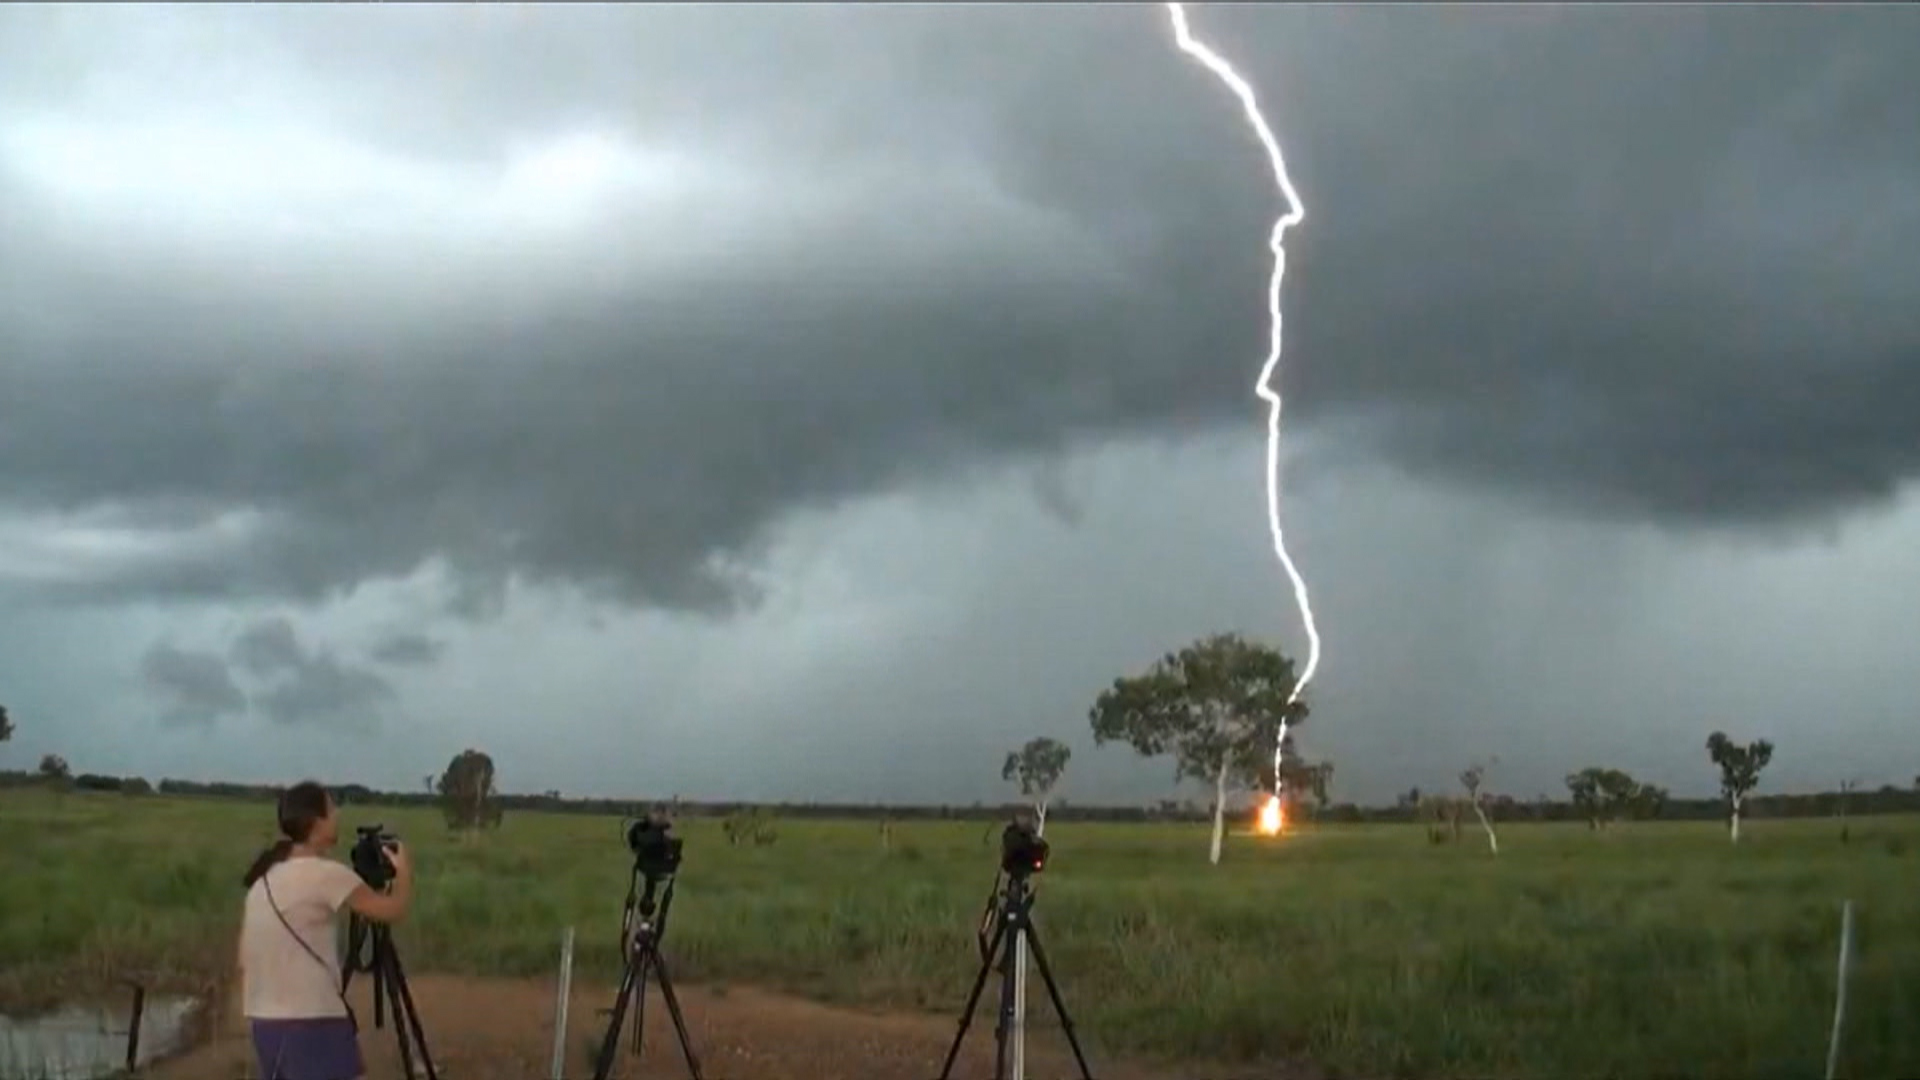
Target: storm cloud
[(286, 680), (599, 296), (197, 687), (408, 649)]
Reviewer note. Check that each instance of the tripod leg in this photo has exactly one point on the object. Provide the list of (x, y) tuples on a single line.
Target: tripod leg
[(383, 977), (407, 1018), (973, 1000), (639, 1008), (673, 1012), (1003, 1022), (1059, 1006), (379, 980), (640, 996), (610, 1045)]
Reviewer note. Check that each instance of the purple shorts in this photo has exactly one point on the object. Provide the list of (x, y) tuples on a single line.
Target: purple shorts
[(323, 1048)]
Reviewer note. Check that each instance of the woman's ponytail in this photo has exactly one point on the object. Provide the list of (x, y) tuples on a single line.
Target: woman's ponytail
[(278, 853), (301, 806)]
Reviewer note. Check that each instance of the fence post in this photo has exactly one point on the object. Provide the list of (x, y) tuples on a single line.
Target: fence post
[(560, 1006), (1840, 994), (133, 1029)]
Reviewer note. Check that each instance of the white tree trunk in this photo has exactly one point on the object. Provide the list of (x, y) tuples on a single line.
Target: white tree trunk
[(1493, 842), (1733, 821), (1219, 812)]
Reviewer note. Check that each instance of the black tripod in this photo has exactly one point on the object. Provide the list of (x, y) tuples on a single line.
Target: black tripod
[(640, 941), (1013, 923), (389, 987)]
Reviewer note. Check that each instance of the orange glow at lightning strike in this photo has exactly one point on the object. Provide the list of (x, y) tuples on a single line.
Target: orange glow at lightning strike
[(1272, 818), (1293, 214)]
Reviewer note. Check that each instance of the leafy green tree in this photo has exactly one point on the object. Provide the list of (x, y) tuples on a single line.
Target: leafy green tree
[(1299, 778), (54, 769), (1650, 801), (1216, 707), (6, 725), (1740, 768), (1602, 795), (467, 794), (1037, 767)]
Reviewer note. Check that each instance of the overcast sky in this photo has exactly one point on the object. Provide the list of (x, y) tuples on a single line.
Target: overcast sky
[(816, 402)]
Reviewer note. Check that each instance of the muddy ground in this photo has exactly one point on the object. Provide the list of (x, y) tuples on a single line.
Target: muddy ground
[(502, 1029)]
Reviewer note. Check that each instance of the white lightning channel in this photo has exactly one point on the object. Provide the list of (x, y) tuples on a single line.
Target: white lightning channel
[(1294, 213)]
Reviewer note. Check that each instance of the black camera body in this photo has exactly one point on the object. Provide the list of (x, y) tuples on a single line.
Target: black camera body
[(656, 851), (369, 855), (1022, 850)]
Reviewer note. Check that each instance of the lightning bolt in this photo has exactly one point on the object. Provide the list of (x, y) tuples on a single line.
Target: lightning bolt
[(1294, 213)]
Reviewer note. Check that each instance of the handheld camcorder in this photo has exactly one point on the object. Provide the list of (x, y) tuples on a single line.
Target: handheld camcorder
[(369, 855), (1022, 851), (656, 851)]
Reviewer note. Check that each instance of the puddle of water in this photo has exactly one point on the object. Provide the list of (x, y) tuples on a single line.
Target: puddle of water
[(87, 1042)]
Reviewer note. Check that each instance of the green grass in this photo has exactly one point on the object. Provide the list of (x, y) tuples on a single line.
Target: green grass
[(1656, 950)]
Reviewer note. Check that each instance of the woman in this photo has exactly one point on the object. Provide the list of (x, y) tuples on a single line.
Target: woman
[(289, 954)]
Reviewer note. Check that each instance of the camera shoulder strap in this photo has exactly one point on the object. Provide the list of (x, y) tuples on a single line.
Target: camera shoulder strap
[(308, 949)]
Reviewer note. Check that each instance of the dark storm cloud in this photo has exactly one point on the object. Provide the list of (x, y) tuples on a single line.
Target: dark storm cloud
[(195, 687), (268, 647), (291, 682), (302, 684), (408, 649), (323, 689), (1651, 261)]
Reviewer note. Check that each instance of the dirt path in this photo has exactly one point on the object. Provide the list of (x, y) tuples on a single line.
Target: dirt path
[(502, 1029)]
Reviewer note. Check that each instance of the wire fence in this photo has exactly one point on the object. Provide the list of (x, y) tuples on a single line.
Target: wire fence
[(92, 1042)]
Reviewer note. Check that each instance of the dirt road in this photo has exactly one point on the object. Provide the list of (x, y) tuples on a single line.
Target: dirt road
[(502, 1029)]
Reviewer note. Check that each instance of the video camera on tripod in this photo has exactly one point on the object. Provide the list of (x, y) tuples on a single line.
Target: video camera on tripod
[(656, 851), (643, 923), (369, 855), (370, 951), (1022, 850), (1007, 922)]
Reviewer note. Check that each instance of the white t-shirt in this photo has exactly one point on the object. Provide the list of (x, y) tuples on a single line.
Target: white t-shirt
[(280, 980)]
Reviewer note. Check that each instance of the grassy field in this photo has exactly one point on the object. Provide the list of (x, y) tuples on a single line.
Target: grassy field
[(1656, 950)]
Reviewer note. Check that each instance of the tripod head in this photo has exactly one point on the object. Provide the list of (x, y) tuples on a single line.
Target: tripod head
[(656, 851), (369, 855), (1022, 851)]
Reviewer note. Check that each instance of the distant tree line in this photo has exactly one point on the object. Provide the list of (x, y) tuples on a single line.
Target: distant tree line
[(1214, 706), (1888, 799)]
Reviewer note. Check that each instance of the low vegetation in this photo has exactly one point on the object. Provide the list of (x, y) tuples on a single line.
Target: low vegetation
[(1642, 949)]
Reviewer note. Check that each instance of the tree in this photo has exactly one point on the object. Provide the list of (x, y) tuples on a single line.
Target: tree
[(749, 824), (1299, 777), (1442, 815), (467, 794), (1471, 778), (6, 725), (54, 769), (1216, 706), (1740, 768), (1037, 766), (1649, 801), (1600, 795)]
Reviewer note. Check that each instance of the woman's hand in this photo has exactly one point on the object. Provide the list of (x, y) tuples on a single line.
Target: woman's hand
[(391, 905), (397, 857)]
